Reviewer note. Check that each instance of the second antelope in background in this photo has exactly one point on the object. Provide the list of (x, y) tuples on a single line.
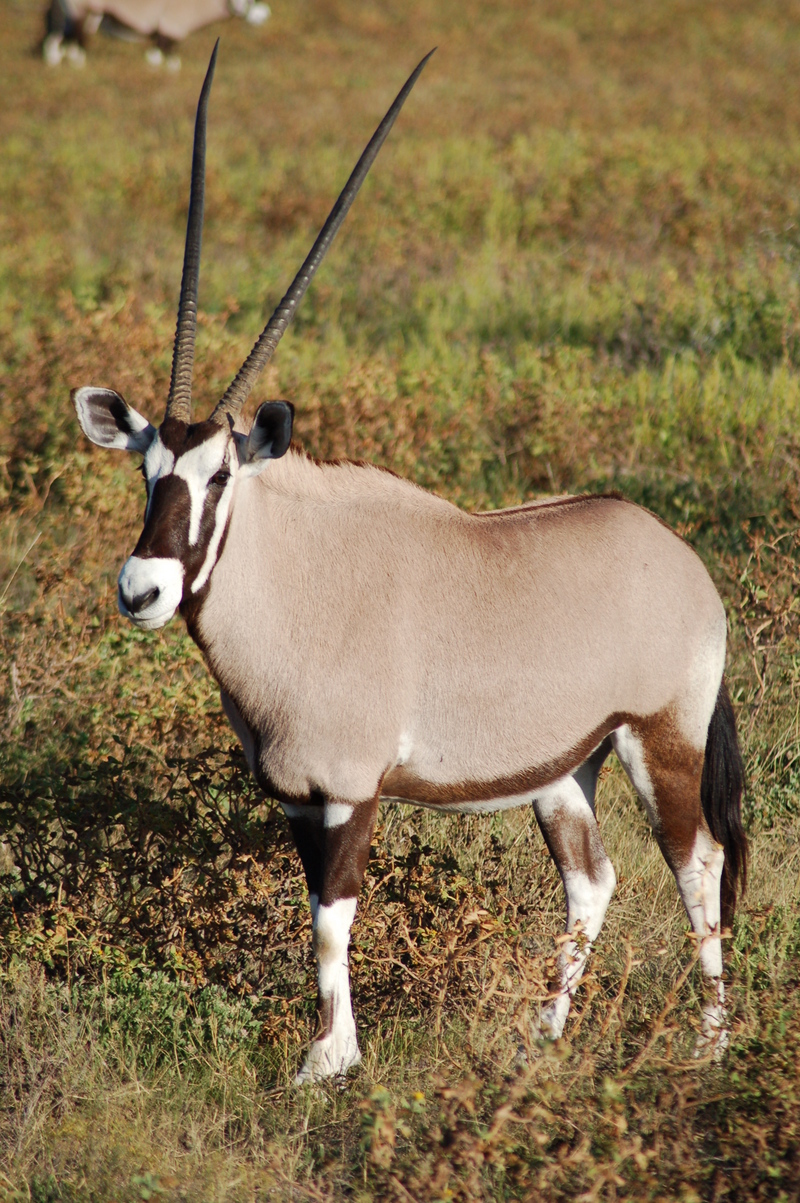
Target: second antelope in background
[(373, 641), (164, 23)]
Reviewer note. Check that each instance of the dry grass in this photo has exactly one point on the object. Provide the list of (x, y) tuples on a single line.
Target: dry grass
[(575, 266)]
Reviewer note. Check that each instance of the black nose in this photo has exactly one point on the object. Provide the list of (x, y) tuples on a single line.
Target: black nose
[(141, 601)]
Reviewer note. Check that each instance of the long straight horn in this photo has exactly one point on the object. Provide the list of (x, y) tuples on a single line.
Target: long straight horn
[(179, 402), (239, 389)]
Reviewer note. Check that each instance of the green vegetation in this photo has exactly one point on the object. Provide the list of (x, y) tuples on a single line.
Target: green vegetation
[(575, 267)]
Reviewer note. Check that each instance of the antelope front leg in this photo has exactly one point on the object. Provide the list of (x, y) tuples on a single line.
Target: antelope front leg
[(333, 840)]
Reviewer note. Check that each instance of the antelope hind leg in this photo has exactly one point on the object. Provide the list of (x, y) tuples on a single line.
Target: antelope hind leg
[(666, 772), (699, 887), (571, 833), (333, 840)]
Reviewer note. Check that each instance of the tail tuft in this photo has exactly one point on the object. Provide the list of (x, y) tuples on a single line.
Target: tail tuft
[(721, 793)]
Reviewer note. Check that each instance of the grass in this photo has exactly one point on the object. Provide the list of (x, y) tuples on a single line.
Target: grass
[(575, 266)]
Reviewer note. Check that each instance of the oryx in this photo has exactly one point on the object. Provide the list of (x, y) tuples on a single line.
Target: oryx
[(164, 23), (373, 641)]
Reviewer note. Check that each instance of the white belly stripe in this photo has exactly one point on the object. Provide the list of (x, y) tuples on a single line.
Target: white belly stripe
[(483, 806)]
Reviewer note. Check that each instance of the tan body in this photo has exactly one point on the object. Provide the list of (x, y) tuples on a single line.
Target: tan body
[(373, 641), (174, 19), (467, 657)]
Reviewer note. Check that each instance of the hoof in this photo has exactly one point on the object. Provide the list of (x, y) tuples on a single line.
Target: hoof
[(52, 49), (257, 14), (552, 1019), (75, 54), (328, 1058), (714, 1037)]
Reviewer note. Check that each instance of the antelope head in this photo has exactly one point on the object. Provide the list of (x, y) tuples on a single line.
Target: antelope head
[(191, 468)]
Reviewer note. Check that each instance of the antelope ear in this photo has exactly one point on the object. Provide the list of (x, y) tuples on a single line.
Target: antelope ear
[(270, 434), (109, 421)]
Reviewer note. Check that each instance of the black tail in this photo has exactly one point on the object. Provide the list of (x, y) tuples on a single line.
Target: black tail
[(721, 794)]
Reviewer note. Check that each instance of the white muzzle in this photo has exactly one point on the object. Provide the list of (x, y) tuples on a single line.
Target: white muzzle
[(150, 590)]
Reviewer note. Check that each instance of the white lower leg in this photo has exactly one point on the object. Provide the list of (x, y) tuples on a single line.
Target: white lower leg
[(336, 1048), (589, 881), (587, 901), (699, 885), (53, 49)]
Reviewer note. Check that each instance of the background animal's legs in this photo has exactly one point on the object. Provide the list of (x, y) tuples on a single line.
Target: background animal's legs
[(666, 772), (572, 835), (333, 840), (163, 50), (65, 35)]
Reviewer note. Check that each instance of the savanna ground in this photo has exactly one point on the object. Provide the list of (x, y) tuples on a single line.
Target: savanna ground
[(575, 267)]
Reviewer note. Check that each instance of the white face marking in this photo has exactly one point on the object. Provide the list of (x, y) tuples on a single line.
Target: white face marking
[(196, 467), (158, 462), (220, 519), (138, 577)]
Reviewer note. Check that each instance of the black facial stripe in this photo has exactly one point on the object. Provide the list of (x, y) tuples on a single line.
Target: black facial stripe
[(177, 437), (166, 529)]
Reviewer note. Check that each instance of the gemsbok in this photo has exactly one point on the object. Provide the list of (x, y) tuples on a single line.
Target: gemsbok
[(372, 641), (69, 24)]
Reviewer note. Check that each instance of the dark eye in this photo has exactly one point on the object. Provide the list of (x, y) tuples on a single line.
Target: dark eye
[(221, 478)]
